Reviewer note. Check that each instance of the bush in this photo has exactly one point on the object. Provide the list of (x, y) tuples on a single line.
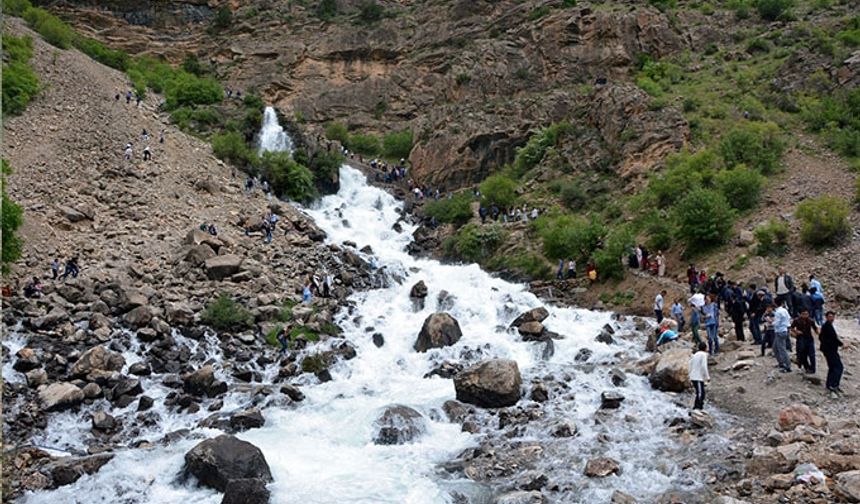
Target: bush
[(326, 9), (17, 49), (225, 314), (772, 10), (16, 7), (223, 19), (231, 147), (367, 145), (12, 216), (97, 51), (475, 243), (615, 247), (397, 145), (824, 220), (741, 186), (456, 211), (323, 164), (370, 12), (838, 117), (50, 27), (188, 89), (684, 173), (660, 232), (539, 12), (535, 149), (566, 236), (757, 145), (772, 238), (704, 219), (572, 195), (527, 265), (287, 177), (664, 5), (337, 131), (498, 190), (741, 8), (20, 85)]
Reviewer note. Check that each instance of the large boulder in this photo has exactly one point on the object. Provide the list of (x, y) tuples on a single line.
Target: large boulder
[(59, 396), (27, 360), (672, 372), (538, 314), (217, 461), (419, 290), (250, 418), (493, 383), (97, 359), (848, 485), (139, 317), (223, 266), (199, 237), (602, 467), (398, 424), (798, 414), (203, 382), (179, 313), (843, 291), (439, 330), (246, 491), (67, 470)]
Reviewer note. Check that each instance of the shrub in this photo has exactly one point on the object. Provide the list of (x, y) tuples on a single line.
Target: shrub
[(12, 216), (192, 65), (18, 49), (370, 12), (397, 145), (757, 145), (608, 258), (741, 8), (315, 363), (456, 211), (20, 85), (231, 146), (225, 314), (684, 173), (337, 131), (566, 236), (326, 9), (323, 164), (704, 219), (287, 177), (535, 149), (363, 144), (223, 19), (50, 27), (660, 232), (97, 51), (664, 4), (539, 12), (526, 265), (772, 238), (572, 195), (188, 89), (741, 186), (475, 243), (498, 190), (772, 10), (16, 7), (824, 220), (758, 45)]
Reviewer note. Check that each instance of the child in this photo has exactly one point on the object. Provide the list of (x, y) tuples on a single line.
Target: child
[(699, 374), (678, 315)]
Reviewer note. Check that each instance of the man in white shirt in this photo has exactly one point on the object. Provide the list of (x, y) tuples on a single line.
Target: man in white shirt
[(658, 306), (781, 323), (699, 373)]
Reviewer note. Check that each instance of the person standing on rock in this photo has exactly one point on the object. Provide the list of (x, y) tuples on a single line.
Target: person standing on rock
[(306, 293), (161, 137), (328, 279), (781, 324), (127, 97), (783, 285), (559, 275), (661, 264), (678, 315), (129, 152), (699, 374), (695, 321), (147, 154), (658, 305), (769, 334), (802, 328), (283, 341), (711, 313), (736, 309), (55, 269), (817, 305), (830, 344), (571, 269)]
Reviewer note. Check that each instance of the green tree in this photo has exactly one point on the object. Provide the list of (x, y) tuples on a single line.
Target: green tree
[(287, 177), (757, 145), (230, 146), (566, 237), (608, 258), (337, 131), (741, 186), (824, 220), (498, 190), (12, 218), (364, 144), (397, 145), (704, 219), (456, 211), (50, 27)]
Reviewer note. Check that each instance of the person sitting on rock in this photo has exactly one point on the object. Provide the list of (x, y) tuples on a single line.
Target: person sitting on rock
[(666, 334), (33, 289)]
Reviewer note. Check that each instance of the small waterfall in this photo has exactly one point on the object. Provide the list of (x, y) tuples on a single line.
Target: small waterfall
[(273, 138)]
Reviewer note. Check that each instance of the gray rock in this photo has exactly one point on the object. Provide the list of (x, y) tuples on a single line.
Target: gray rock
[(103, 422), (246, 491), (250, 418), (439, 330), (493, 383), (221, 267), (538, 314), (97, 358), (67, 470), (60, 396), (215, 462), (398, 424)]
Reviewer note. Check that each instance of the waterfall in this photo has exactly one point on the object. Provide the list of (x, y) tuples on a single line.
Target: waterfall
[(273, 138), (321, 450)]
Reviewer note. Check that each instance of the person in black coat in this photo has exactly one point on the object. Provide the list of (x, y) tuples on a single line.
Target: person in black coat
[(830, 344)]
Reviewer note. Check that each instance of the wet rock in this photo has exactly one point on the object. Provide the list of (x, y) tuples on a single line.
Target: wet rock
[(398, 424), (127, 387), (671, 374), (246, 491), (203, 382), (216, 461), (490, 384), (37, 377), (564, 429), (26, 360), (618, 377), (605, 337), (144, 403), (531, 331), (539, 392), (67, 470), (445, 301), (247, 419), (538, 314), (439, 330), (455, 410), (60, 396), (419, 290), (293, 392), (97, 359), (92, 390), (798, 414), (611, 400), (56, 316), (147, 335), (701, 419), (445, 370), (520, 497), (583, 355), (140, 369), (619, 497), (221, 267), (101, 421), (378, 340), (601, 467)]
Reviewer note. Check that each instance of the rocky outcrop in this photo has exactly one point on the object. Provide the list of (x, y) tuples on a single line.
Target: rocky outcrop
[(671, 374), (398, 424), (439, 330), (218, 461), (494, 383), (97, 360)]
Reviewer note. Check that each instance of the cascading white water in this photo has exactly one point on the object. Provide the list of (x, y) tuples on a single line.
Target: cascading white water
[(321, 450), (273, 138)]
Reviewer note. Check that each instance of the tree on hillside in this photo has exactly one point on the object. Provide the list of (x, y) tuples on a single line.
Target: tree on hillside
[(12, 218)]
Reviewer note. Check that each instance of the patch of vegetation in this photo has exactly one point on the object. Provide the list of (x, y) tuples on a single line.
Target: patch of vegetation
[(527, 265), (370, 12), (837, 117), (741, 186), (50, 27), (566, 236), (498, 190), (664, 5), (223, 19), (97, 51), (12, 217), (772, 238), (824, 220), (539, 12), (397, 145), (231, 147), (367, 145), (225, 314), (757, 145), (463, 78), (475, 243), (456, 211), (537, 146), (326, 9), (315, 363), (287, 177), (608, 258), (704, 220), (20, 83), (773, 10), (337, 131)]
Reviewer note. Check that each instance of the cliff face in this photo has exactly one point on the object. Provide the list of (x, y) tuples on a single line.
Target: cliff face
[(469, 79)]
